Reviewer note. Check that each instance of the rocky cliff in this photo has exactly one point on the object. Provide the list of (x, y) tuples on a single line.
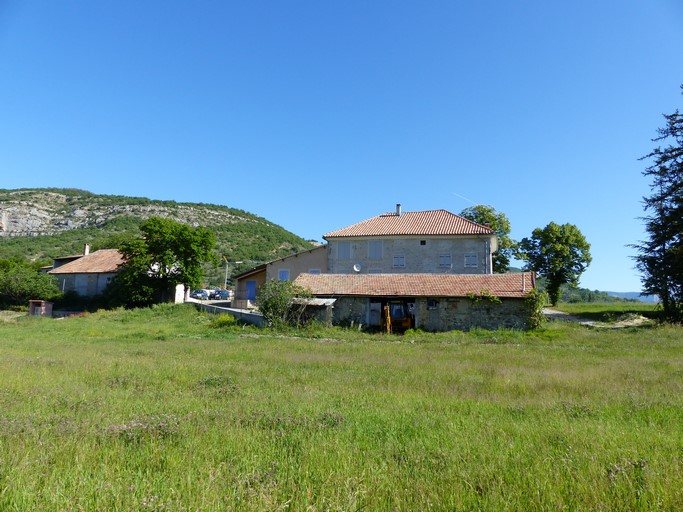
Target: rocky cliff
[(31, 212), (49, 222)]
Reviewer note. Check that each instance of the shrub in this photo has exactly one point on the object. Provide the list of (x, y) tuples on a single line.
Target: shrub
[(277, 301), (535, 301)]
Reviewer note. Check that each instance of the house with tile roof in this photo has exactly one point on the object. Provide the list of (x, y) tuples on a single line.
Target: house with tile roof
[(424, 242), (88, 274), (432, 268), (433, 302)]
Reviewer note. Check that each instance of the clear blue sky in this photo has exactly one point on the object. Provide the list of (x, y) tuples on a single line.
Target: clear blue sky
[(316, 115)]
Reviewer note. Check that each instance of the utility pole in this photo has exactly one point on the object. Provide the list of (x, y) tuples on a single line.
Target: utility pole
[(227, 264)]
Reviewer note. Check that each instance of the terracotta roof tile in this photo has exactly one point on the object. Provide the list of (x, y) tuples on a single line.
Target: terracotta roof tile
[(417, 285), (430, 222), (98, 262)]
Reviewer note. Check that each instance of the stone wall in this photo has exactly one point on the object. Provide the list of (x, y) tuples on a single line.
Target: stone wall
[(443, 314), (420, 254), (447, 314)]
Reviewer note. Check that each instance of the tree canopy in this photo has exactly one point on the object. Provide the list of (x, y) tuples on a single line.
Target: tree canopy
[(499, 223), (21, 282), (169, 253), (660, 258), (560, 253)]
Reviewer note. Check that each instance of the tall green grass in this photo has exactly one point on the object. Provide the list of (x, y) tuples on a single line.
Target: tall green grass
[(170, 409)]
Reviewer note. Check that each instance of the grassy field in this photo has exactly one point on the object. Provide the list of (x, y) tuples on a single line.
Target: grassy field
[(610, 312), (170, 410)]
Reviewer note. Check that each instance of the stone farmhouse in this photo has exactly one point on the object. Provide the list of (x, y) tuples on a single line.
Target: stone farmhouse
[(87, 274), (429, 269)]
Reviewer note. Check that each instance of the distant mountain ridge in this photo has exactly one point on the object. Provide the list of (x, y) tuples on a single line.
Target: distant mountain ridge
[(634, 296), (43, 223)]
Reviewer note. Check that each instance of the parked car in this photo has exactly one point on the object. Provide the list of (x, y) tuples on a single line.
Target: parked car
[(220, 295), (199, 294)]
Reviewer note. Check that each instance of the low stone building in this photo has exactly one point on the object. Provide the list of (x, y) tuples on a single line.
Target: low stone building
[(90, 274), (428, 301)]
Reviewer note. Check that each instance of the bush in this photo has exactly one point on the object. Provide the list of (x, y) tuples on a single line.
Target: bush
[(221, 321), (276, 301), (535, 301)]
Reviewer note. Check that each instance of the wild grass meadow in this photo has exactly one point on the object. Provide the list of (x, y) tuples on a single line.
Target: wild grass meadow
[(170, 409)]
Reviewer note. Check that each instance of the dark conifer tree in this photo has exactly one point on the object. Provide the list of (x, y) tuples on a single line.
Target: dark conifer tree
[(660, 258)]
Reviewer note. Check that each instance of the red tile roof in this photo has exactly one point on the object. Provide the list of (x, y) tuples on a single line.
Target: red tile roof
[(417, 285), (430, 222), (103, 261)]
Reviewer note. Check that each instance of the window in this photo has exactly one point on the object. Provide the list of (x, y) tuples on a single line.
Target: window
[(314, 271), (432, 304), (423, 242), (344, 251), (399, 261), (397, 311), (444, 261), (471, 260), (375, 250), (283, 275)]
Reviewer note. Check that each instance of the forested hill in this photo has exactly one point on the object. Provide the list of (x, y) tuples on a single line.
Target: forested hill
[(43, 223)]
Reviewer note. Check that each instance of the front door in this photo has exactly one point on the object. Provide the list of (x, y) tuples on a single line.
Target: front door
[(251, 290)]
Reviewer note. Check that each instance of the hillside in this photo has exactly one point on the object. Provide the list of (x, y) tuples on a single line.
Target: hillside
[(40, 224)]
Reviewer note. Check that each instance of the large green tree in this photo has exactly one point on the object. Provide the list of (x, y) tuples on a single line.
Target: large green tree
[(660, 258), (498, 222), (168, 253), (21, 282), (560, 253)]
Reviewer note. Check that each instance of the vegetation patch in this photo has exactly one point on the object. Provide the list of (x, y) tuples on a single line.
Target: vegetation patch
[(99, 414)]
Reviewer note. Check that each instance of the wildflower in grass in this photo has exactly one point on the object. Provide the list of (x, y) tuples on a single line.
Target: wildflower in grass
[(160, 426)]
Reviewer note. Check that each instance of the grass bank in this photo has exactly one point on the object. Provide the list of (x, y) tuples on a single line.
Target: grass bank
[(167, 409)]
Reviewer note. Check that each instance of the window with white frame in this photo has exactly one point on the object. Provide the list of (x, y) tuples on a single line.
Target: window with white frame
[(375, 250), (399, 260), (444, 261), (283, 275), (344, 250), (471, 260)]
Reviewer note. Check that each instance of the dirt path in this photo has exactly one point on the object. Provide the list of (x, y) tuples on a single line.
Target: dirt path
[(627, 321), (554, 314)]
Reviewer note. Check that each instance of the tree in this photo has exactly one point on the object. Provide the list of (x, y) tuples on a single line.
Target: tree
[(20, 282), (169, 253), (499, 223), (277, 301), (560, 253), (660, 258)]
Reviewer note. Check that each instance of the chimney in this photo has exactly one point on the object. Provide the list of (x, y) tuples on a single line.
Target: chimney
[(398, 209), (86, 249)]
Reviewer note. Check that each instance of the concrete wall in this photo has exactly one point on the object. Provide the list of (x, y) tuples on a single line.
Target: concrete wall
[(315, 259), (246, 316), (442, 314), (420, 255)]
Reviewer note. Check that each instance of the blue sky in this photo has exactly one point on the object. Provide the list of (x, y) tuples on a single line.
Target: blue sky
[(316, 115)]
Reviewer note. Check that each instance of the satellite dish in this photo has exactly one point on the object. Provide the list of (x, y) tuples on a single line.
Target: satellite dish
[(356, 267)]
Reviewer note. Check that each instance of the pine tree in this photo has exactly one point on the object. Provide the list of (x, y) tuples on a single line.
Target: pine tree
[(660, 258)]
